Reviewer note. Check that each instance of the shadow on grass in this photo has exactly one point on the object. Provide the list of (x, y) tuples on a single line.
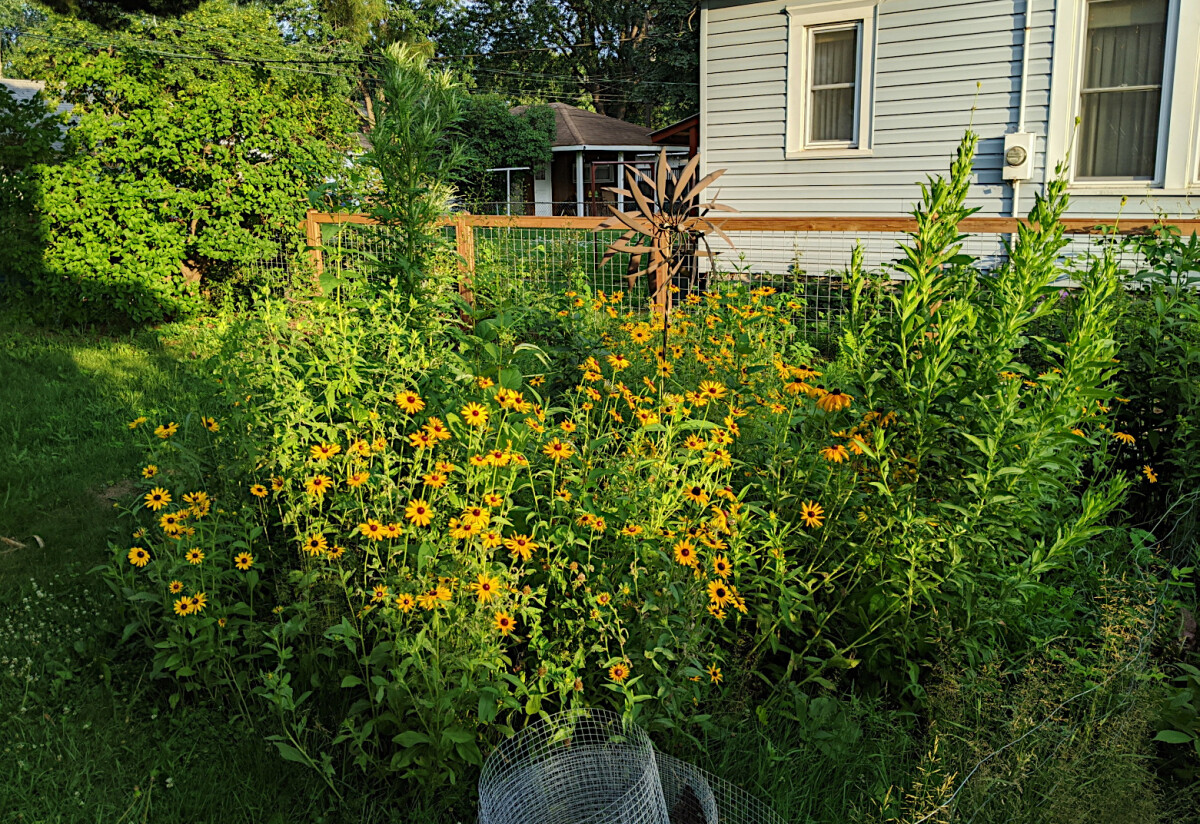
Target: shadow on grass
[(84, 734)]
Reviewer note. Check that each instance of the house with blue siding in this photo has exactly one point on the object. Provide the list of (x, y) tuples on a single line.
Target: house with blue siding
[(840, 108)]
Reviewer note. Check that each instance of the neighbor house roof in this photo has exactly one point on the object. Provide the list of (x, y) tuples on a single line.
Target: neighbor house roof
[(23, 90), (581, 129)]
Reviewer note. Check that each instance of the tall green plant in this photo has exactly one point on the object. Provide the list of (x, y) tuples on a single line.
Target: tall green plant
[(416, 150), (981, 475)]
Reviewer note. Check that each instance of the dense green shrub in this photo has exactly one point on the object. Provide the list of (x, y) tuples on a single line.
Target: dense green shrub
[(177, 174), (29, 135), (495, 137)]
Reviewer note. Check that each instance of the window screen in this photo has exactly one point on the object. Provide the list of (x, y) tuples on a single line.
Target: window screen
[(1121, 97)]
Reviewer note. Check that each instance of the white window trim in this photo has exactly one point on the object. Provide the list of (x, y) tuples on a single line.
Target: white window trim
[(1177, 155), (801, 20)]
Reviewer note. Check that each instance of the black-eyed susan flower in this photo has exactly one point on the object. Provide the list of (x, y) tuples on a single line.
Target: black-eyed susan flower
[(392, 530), (618, 672), (696, 494), (183, 605), (409, 402), (435, 480), (258, 490), (324, 451), (721, 566), (835, 454), (834, 401), (429, 600), (372, 529), (318, 485), (504, 623), (604, 599), (357, 478), (243, 561), (138, 556), (194, 556), (712, 390), (1150, 474), (812, 514), (437, 429), (166, 431), (316, 545), (210, 424), (175, 587), (276, 483), (718, 456), (419, 513), (714, 673), (493, 500), (379, 594), (558, 450), (136, 422), (335, 552), (405, 602), (618, 362), (149, 471), (631, 530), (485, 587), (199, 602), (421, 440), (719, 593), (199, 504), (490, 539), (157, 498), (475, 415), (520, 546), (685, 553), (694, 442), (1124, 437)]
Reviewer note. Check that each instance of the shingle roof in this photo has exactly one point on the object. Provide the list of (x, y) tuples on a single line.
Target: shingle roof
[(578, 127)]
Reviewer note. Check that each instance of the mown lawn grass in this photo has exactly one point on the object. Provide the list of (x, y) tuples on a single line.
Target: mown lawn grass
[(85, 735)]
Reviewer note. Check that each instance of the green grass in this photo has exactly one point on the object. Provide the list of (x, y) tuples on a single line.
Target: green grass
[(85, 735)]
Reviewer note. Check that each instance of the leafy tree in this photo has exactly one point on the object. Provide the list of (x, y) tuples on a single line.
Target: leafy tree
[(497, 137), (626, 59), (179, 174)]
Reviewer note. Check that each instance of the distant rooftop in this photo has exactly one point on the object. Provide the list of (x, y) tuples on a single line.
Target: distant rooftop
[(23, 89), (579, 127)]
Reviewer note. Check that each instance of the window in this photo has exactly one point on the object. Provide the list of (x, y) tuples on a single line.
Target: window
[(833, 85), (830, 46), (1120, 101)]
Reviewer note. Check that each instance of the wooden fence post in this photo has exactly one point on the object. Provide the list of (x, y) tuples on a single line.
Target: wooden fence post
[(464, 243), (312, 239)]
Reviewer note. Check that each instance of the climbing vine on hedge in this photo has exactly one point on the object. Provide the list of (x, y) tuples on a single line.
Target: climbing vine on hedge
[(179, 174)]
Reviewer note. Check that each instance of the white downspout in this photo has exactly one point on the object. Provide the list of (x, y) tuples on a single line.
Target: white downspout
[(619, 177), (1025, 38), (579, 184)]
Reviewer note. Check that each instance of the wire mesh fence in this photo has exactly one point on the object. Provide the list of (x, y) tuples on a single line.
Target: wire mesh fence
[(807, 261), (589, 766)]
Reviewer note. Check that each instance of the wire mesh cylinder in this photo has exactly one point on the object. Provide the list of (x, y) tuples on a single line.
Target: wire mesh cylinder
[(575, 767)]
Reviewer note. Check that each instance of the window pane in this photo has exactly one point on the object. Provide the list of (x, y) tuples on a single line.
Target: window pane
[(1122, 88), (833, 114), (834, 66), (1118, 134), (834, 56)]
